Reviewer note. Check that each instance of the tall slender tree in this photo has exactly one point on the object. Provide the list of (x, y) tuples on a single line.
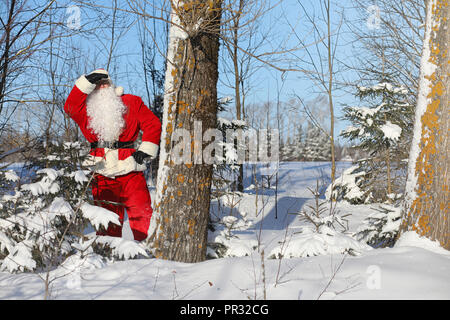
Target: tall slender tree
[(179, 226), (321, 58), (426, 201)]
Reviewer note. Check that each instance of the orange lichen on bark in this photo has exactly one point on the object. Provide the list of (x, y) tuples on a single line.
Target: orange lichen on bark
[(430, 140), (181, 106), (169, 128), (180, 178), (191, 224), (424, 169)]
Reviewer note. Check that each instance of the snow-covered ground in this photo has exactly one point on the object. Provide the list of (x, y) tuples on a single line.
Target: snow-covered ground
[(414, 269)]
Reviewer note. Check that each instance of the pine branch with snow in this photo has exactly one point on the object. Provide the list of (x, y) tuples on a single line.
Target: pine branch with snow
[(118, 248), (308, 243), (39, 217), (322, 213), (380, 229), (382, 130), (223, 238), (319, 236), (226, 162)]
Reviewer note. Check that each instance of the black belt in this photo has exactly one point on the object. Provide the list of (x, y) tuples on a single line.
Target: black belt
[(112, 145)]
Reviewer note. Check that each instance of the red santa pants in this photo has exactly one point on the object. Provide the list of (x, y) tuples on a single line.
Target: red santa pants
[(128, 192)]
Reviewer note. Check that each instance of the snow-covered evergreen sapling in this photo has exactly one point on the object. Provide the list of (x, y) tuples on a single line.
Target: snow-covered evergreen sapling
[(294, 149), (317, 146), (223, 238), (38, 216), (383, 131), (224, 217), (323, 214), (227, 162), (320, 235)]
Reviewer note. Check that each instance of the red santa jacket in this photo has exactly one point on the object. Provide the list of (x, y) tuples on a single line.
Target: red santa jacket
[(115, 162)]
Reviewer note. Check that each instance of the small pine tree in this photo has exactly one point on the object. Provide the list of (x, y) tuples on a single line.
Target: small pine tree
[(298, 145), (293, 149), (317, 144), (226, 166), (38, 221), (383, 131), (286, 151)]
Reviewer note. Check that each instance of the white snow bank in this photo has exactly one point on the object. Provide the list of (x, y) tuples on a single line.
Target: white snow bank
[(386, 274), (402, 272), (310, 243), (412, 239)]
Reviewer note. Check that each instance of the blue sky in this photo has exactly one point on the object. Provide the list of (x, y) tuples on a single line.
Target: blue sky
[(128, 67), (268, 81)]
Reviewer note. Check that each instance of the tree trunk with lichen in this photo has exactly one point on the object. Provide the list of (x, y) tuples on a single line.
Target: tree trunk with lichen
[(426, 200), (180, 225)]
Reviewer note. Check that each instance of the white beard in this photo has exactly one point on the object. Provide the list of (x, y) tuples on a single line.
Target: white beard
[(105, 111)]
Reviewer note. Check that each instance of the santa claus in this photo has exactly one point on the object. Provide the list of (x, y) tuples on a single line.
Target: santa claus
[(111, 122)]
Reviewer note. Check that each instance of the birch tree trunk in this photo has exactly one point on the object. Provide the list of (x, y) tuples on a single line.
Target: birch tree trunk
[(237, 82), (426, 200), (179, 225)]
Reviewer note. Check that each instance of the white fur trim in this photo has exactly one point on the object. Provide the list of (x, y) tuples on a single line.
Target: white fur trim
[(119, 91), (103, 71), (149, 148), (84, 85), (111, 166)]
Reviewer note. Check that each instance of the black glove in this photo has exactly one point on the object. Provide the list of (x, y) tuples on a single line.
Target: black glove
[(139, 156), (96, 77)]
